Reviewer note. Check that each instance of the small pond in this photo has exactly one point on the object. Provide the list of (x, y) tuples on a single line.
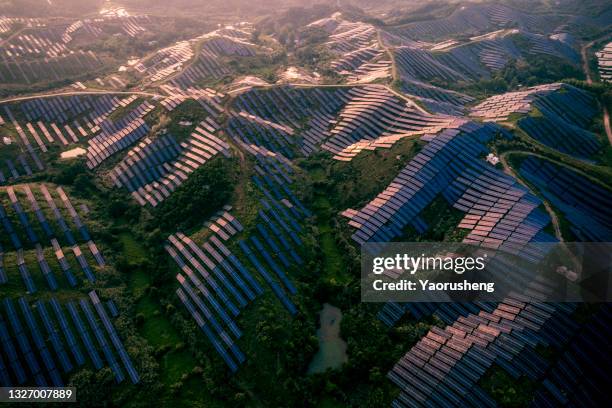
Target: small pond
[(332, 349)]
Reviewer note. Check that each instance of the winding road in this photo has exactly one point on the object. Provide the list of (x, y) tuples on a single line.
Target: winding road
[(72, 93), (585, 60), (510, 171), (589, 78)]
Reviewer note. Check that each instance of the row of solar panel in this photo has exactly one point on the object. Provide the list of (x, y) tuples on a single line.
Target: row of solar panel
[(52, 374), (51, 235)]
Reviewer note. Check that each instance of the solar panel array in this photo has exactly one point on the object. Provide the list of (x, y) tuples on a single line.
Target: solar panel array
[(287, 105), (563, 136), (131, 25), (496, 49), (358, 55), (155, 168), (50, 233), (43, 41), (563, 115), (54, 68), (166, 61), (208, 98), (494, 55), (447, 364), (438, 100), (362, 65), (351, 61), (448, 165), (87, 25), (65, 109), (119, 135), (9, 23), (217, 281), (561, 385), (225, 45), (42, 52), (276, 238), (542, 44), (375, 117), (191, 260), (50, 338), (475, 19), (423, 65), (270, 118), (480, 57), (586, 205), (500, 107), (604, 61), (444, 367), (31, 151), (53, 121), (316, 131), (205, 67), (188, 66), (347, 36)]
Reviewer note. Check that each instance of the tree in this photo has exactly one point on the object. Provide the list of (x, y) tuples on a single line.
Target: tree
[(205, 192)]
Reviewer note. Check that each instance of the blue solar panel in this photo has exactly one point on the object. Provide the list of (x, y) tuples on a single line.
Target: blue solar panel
[(85, 337), (279, 272), (23, 219), (24, 344), (112, 308), (86, 268), (5, 380), (8, 227), (11, 352), (47, 359), (54, 337), (47, 272), (210, 280), (218, 347), (206, 311), (268, 239), (218, 273), (220, 311), (123, 355), (99, 335), (224, 263), (73, 345), (275, 287), (246, 274), (3, 276)]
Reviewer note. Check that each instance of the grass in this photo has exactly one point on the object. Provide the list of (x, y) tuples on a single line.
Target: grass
[(442, 221), (332, 257), (155, 327), (134, 252), (352, 184), (187, 111), (174, 364), (122, 111)]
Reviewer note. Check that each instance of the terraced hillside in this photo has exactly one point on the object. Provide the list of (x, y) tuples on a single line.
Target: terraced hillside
[(185, 190)]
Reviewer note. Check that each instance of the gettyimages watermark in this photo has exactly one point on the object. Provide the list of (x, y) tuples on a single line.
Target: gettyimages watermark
[(458, 272)]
